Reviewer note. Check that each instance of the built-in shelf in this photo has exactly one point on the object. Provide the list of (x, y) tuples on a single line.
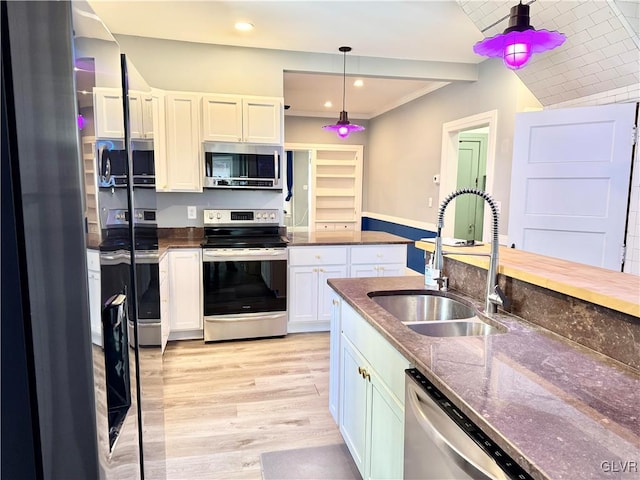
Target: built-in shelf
[(336, 197)]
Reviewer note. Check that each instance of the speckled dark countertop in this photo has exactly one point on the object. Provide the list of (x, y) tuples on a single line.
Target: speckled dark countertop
[(299, 239), (560, 410)]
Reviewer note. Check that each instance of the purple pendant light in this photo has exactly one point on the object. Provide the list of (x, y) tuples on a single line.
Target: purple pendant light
[(343, 127), (519, 41)]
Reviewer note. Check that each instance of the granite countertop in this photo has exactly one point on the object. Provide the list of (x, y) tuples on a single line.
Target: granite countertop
[(560, 410), (608, 288), (298, 239)]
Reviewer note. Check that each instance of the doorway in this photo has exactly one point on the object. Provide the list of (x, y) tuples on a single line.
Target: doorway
[(486, 125), (296, 217), (472, 173)]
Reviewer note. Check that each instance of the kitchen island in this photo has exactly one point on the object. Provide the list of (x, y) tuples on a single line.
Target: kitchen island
[(560, 410)]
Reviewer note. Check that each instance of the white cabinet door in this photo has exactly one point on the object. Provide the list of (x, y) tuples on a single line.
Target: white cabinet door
[(371, 415), (233, 118), (303, 294), (165, 321), (391, 270), (184, 169), (385, 436), (221, 118), (185, 280), (136, 127), (334, 358), (360, 271), (108, 113), (262, 120), (95, 307), (324, 291), (147, 116), (353, 403), (159, 139)]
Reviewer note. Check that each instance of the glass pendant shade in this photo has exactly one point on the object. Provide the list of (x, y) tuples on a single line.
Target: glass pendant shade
[(343, 127), (520, 41)]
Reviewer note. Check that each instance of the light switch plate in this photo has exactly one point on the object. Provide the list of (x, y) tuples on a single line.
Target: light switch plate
[(192, 214)]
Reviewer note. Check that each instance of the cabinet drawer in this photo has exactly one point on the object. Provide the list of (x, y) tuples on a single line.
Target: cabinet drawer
[(318, 255), (325, 227), (93, 260), (377, 254), (345, 227), (388, 363)]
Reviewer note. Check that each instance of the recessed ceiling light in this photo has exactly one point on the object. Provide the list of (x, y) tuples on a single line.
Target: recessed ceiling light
[(328, 104), (244, 26), (358, 83)]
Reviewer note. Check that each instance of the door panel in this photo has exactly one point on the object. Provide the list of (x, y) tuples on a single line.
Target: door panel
[(570, 183)]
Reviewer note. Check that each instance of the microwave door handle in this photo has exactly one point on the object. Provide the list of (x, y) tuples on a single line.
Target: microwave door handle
[(276, 164)]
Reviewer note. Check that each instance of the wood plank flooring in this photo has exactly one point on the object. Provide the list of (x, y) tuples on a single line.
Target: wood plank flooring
[(214, 408)]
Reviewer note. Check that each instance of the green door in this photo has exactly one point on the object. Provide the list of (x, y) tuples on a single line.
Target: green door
[(472, 164)]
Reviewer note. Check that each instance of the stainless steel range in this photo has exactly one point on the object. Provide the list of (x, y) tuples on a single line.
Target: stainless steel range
[(244, 275)]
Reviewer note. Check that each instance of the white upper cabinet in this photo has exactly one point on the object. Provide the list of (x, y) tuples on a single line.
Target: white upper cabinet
[(108, 114), (233, 118), (183, 149), (141, 114)]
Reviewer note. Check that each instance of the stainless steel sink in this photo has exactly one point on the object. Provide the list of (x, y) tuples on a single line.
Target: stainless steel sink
[(453, 329), (434, 313), (422, 306)]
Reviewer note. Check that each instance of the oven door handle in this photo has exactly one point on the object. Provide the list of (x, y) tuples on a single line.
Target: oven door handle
[(114, 258), (242, 255), (239, 317), (147, 256)]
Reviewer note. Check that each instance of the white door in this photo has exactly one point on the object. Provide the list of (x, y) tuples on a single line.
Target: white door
[(570, 183)]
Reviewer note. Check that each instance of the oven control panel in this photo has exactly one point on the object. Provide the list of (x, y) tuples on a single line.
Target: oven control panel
[(242, 217)]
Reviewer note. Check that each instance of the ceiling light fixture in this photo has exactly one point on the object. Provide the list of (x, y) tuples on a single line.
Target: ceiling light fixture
[(519, 41), (244, 26), (343, 127)]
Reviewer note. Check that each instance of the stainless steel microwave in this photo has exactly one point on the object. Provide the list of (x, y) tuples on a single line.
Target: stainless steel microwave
[(239, 165)]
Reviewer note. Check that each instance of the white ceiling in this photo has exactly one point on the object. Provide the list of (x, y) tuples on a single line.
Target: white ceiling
[(601, 51), (415, 30)]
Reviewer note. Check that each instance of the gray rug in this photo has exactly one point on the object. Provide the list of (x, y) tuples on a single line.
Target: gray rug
[(331, 462)]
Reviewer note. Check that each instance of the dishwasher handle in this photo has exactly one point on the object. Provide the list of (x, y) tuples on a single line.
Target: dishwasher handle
[(435, 422)]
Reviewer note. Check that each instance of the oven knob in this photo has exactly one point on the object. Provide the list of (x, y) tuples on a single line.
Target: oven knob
[(272, 216), (218, 215)]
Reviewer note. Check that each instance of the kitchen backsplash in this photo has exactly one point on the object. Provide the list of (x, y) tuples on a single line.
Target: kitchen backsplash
[(172, 207)]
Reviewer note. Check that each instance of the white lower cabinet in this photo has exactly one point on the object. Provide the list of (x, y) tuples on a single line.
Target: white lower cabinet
[(309, 296), (95, 307), (334, 357), (165, 320), (371, 399), (185, 297), (378, 260)]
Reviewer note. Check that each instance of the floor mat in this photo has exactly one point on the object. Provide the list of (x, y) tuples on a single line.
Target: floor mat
[(331, 462)]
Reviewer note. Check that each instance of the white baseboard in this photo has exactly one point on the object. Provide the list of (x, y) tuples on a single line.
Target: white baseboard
[(304, 327)]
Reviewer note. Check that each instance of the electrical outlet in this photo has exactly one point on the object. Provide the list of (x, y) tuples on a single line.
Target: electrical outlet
[(192, 213)]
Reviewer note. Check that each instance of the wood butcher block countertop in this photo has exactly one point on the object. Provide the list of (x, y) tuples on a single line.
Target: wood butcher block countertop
[(615, 290)]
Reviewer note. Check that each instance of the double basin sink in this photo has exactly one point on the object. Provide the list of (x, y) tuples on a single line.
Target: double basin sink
[(434, 313)]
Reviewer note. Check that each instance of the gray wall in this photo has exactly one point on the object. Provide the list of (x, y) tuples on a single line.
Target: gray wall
[(405, 144), (188, 66)]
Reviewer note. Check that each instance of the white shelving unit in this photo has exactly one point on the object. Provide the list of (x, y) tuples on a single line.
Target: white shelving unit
[(89, 165), (336, 188)]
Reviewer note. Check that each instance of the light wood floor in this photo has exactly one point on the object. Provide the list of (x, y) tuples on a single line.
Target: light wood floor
[(214, 408)]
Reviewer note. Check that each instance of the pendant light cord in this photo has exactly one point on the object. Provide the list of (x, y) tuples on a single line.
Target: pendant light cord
[(344, 78)]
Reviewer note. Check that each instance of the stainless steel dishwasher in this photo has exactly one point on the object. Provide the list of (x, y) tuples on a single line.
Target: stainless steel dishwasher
[(441, 443)]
